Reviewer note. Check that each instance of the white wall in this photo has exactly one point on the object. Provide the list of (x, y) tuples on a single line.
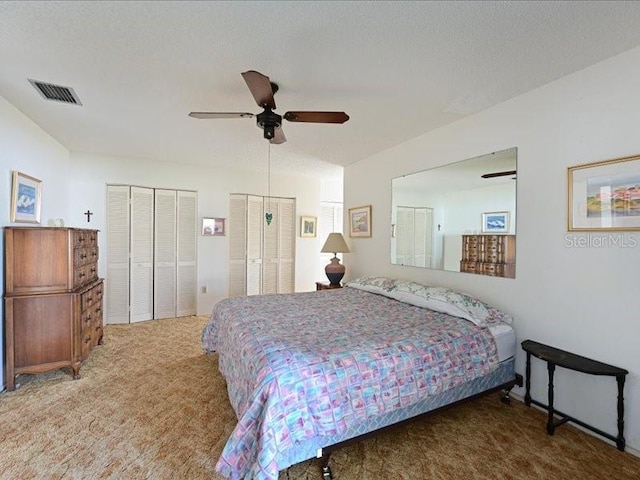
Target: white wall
[(26, 148), (583, 300)]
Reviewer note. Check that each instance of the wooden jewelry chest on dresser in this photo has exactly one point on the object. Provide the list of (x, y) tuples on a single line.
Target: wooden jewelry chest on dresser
[(52, 299)]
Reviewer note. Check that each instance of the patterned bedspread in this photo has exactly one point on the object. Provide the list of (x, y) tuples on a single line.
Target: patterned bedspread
[(309, 364)]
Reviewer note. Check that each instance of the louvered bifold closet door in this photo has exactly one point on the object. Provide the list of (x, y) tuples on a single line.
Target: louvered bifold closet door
[(165, 266), (270, 257), (117, 281), (404, 236), (255, 221), (428, 237), (187, 253), (419, 237), (141, 281), (237, 245), (286, 245)]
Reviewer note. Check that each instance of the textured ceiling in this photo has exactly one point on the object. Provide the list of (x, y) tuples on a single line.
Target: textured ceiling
[(398, 69)]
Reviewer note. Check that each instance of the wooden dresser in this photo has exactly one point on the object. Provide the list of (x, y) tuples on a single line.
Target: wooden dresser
[(493, 255), (52, 299)]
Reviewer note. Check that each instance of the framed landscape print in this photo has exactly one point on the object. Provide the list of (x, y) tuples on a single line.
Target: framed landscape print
[(604, 195), (495, 222), (360, 221), (26, 196)]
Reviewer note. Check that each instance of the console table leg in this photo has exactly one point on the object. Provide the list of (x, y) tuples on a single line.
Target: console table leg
[(620, 442), (550, 427), (527, 381)]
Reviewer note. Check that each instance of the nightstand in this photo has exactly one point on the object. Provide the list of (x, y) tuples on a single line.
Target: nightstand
[(326, 286)]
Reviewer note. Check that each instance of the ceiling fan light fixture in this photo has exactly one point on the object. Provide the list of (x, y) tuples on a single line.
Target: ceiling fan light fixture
[(269, 121)]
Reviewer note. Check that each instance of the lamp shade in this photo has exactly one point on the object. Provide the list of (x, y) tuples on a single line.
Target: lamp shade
[(335, 244)]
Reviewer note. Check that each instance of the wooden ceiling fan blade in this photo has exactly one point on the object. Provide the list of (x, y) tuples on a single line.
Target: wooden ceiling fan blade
[(261, 89), (498, 174), (207, 115), (317, 117), (278, 136)]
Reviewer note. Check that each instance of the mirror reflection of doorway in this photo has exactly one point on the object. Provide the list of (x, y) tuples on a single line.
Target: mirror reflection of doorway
[(414, 236)]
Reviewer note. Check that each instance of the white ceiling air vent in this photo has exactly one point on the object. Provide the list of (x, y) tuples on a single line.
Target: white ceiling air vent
[(57, 93)]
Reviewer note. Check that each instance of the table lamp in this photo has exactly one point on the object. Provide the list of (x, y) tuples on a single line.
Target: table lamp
[(335, 244)]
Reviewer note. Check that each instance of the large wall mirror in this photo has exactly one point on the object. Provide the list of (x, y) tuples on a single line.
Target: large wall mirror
[(459, 217)]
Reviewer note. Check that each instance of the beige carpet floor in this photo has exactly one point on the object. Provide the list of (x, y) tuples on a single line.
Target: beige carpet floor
[(151, 405)]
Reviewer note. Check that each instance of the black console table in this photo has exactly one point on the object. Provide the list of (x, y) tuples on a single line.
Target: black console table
[(554, 356)]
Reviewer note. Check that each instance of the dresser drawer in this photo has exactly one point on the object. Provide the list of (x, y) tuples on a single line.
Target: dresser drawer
[(84, 238), (87, 343), (91, 297), (85, 255), (468, 267), (85, 274)]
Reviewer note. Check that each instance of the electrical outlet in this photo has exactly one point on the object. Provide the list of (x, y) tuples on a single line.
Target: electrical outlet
[(204, 289)]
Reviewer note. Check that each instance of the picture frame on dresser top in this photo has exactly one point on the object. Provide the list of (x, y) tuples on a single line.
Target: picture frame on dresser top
[(26, 198), (495, 222), (604, 196)]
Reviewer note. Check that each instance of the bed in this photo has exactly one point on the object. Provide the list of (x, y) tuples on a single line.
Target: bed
[(308, 371)]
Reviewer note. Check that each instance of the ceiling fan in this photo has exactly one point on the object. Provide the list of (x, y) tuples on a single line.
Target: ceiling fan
[(263, 90), (499, 174)]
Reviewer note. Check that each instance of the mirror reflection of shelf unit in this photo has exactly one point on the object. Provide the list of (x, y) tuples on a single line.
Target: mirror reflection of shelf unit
[(492, 255)]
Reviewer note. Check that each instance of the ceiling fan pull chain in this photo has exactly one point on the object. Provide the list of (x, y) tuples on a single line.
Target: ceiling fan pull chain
[(268, 216)]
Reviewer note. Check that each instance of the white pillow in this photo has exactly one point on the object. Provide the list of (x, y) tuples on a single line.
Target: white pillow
[(379, 285), (450, 302)]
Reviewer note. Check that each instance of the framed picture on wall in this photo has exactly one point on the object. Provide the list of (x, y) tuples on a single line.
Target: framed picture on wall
[(308, 226), (213, 226), (495, 222), (604, 195), (26, 197), (360, 221)]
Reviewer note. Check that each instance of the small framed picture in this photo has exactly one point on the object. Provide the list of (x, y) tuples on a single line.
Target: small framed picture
[(26, 197), (360, 221), (495, 222), (308, 226), (213, 226)]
